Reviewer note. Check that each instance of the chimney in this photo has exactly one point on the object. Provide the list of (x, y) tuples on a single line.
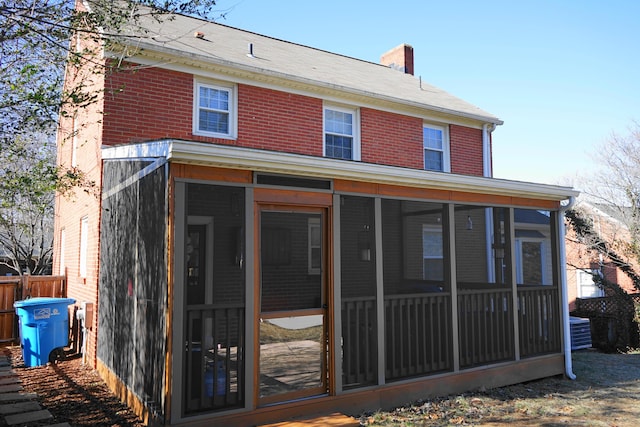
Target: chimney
[(399, 58)]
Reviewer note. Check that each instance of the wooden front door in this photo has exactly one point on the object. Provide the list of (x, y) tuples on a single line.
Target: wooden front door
[(292, 360)]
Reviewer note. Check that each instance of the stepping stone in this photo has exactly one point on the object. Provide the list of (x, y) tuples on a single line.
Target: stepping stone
[(9, 380), (28, 417), (16, 408), (8, 388), (16, 397)]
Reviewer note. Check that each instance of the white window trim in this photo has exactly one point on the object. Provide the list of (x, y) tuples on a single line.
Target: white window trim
[(63, 247), (446, 151), (84, 241), (355, 112), (233, 109)]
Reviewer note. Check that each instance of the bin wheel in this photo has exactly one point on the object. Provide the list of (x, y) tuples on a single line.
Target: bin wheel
[(56, 355)]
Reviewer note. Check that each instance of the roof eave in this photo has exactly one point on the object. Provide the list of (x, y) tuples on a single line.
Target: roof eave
[(146, 50), (320, 167)]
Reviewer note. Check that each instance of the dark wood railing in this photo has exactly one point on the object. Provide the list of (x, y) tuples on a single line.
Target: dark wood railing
[(539, 320), (485, 324), (418, 331), (359, 348), (214, 363), (418, 338)]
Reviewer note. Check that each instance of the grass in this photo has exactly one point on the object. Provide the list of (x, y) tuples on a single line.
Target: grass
[(605, 393)]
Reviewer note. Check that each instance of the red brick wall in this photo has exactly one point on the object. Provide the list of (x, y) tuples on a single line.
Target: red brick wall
[(147, 104), (280, 121), (466, 150), (71, 208), (152, 103), (391, 139)]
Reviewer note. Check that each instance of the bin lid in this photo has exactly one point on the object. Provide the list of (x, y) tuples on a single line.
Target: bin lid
[(33, 302)]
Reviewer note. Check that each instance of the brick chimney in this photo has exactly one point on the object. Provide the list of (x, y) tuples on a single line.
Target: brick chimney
[(399, 58)]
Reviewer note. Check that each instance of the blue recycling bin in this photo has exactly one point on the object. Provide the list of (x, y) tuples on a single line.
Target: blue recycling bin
[(44, 327)]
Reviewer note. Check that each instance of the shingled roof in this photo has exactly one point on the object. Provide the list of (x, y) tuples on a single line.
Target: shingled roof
[(195, 41)]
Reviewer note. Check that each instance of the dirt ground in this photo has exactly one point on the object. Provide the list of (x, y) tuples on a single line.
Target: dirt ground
[(605, 393), (73, 393)]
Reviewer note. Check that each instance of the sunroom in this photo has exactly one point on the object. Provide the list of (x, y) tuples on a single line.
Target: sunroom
[(265, 285)]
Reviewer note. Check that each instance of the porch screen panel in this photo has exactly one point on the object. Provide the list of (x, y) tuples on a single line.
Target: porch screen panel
[(133, 277), (214, 294), (417, 293), (538, 291), (483, 271), (358, 278)]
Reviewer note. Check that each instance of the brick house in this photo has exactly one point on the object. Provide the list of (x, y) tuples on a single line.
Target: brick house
[(282, 230), (582, 263)]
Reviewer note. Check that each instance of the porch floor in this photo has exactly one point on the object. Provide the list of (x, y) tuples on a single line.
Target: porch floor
[(331, 420)]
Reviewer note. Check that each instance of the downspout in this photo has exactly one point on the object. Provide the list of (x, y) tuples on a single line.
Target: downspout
[(568, 364), (487, 128)]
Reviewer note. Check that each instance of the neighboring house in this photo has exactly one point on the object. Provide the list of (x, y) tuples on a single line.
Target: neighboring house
[(582, 263), (283, 230)]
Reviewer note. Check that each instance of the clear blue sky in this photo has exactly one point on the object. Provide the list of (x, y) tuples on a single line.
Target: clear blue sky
[(562, 74)]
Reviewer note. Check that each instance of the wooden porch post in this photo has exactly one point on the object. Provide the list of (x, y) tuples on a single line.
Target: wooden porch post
[(250, 301), (514, 281), (337, 297), (379, 291), (451, 234)]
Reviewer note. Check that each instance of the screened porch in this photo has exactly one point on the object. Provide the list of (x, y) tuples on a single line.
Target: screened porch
[(388, 290)]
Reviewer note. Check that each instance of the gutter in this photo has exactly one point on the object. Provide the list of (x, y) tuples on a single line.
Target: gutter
[(568, 364)]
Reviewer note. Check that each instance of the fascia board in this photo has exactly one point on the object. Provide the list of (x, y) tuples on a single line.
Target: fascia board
[(320, 167)]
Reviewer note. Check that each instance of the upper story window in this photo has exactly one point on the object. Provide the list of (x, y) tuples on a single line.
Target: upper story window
[(435, 141), (587, 287), (215, 110), (341, 133)]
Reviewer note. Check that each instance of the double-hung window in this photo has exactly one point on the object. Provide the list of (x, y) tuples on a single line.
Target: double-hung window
[(432, 253), (587, 287), (341, 136), (215, 110), (435, 142)]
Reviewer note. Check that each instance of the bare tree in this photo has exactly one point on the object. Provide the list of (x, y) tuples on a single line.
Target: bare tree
[(616, 185), (27, 188), (46, 74)]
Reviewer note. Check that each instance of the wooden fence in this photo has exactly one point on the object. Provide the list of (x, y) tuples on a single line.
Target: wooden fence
[(16, 288)]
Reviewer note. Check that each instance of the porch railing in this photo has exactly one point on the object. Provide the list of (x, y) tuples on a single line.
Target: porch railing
[(418, 338), (214, 362), (538, 320), (485, 324), (418, 335), (359, 348)]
